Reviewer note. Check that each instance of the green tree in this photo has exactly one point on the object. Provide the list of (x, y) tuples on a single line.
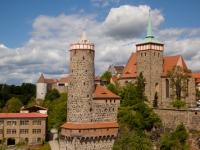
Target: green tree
[(155, 101), (14, 105), (179, 77), (106, 76), (178, 104), (53, 94), (111, 87), (140, 87)]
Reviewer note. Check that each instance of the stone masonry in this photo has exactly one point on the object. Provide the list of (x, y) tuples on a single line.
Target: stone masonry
[(91, 121)]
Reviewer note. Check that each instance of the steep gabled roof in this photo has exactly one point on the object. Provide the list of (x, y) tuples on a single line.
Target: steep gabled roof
[(170, 61), (130, 69), (44, 80), (101, 92), (64, 80), (196, 75), (41, 79)]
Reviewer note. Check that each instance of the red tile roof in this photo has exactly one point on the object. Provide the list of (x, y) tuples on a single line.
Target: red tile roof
[(97, 78), (23, 115), (170, 61), (102, 92), (114, 78), (196, 75), (76, 126), (64, 80), (44, 80), (130, 69)]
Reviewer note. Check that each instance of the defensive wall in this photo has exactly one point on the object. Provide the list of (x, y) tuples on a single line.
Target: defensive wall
[(171, 118)]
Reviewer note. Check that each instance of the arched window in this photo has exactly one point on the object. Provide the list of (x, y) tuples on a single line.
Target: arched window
[(157, 87), (26, 140), (39, 140), (167, 88)]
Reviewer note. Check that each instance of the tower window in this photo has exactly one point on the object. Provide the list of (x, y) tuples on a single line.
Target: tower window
[(167, 88), (83, 57), (145, 54), (158, 54)]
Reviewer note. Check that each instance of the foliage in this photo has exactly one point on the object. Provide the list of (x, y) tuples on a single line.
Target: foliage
[(106, 76), (176, 140), (178, 104), (53, 94), (111, 87), (133, 121), (130, 97), (140, 87), (155, 101), (179, 77), (198, 94), (57, 111), (14, 105)]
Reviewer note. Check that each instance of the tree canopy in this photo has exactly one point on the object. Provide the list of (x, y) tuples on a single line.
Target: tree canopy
[(106, 76), (14, 105), (179, 77)]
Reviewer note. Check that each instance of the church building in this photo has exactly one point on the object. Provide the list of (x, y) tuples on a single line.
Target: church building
[(149, 60)]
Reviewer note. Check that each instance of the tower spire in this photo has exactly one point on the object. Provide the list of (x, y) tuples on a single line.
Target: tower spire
[(149, 30), (84, 37)]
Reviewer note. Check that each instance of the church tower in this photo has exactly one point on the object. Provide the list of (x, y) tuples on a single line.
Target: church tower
[(149, 55)]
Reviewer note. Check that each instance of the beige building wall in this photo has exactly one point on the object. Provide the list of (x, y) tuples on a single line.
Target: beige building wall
[(31, 130)]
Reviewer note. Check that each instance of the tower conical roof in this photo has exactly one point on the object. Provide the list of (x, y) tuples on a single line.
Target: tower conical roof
[(41, 79), (149, 38), (84, 37)]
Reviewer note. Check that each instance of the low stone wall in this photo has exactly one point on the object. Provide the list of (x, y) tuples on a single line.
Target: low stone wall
[(171, 118)]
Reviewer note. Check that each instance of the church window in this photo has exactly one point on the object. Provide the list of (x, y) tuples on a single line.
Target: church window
[(141, 54), (167, 88)]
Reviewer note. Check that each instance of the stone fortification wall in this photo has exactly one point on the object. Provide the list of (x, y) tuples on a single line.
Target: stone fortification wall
[(61, 89), (104, 112), (87, 144), (171, 118), (190, 100)]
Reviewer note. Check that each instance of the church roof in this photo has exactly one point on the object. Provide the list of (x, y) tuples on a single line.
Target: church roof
[(130, 68), (102, 93), (170, 61), (149, 38), (197, 76)]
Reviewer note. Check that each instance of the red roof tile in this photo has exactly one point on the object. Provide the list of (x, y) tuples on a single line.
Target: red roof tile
[(196, 75), (64, 80), (70, 125), (114, 78), (97, 78), (130, 69), (43, 80), (170, 61), (23, 115), (102, 92)]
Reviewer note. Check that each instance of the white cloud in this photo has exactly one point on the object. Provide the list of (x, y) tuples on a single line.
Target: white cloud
[(47, 51), (103, 3), (130, 21)]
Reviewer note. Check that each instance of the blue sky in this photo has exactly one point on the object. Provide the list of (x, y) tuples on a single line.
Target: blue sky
[(35, 34)]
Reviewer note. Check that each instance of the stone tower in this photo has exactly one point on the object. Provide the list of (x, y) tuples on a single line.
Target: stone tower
[(81, 80), (149, 55), (41, 87), (91, 109)]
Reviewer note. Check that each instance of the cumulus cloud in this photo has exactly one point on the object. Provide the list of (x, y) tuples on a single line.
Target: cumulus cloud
[(130, 21), (47, 51), (103, 3)]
